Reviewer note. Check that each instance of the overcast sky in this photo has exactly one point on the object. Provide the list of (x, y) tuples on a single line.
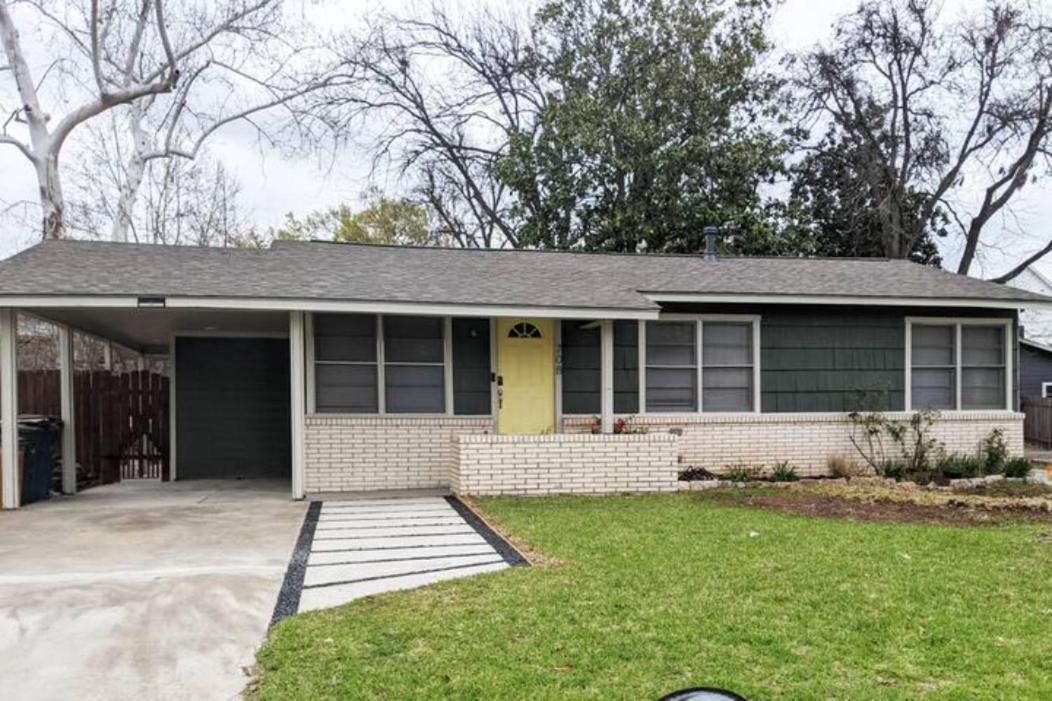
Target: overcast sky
[(272, 185)]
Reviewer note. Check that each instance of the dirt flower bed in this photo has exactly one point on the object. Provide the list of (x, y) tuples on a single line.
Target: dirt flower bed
[(879, 501)]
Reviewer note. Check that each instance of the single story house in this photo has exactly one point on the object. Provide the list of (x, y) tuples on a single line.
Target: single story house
[(347, 367)]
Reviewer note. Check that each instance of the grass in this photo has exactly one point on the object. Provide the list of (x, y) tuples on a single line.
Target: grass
[(653, 593)]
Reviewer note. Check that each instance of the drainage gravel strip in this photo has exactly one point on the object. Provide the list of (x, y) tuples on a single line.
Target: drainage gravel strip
[(289, 596), (505, 549)]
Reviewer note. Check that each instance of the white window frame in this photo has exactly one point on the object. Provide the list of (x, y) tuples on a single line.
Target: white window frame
[(381, 399), (699, 322), (958, 322), (1044, 389)]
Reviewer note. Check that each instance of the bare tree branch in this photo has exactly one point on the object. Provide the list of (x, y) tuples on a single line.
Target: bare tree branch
[(931, 101), (1026, 263)]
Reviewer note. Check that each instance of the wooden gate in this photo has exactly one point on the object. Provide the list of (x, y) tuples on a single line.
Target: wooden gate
[(121, 421)]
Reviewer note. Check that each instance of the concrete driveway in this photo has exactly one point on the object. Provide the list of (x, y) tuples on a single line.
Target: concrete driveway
[(142, 590)]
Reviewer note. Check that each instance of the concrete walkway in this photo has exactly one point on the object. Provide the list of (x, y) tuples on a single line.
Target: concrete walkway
[(372, 545), (141, 590)]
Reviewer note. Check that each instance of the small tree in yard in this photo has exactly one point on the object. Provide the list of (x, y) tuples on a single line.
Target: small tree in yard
[(873, 433)]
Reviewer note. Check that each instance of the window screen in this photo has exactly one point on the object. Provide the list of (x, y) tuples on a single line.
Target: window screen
[(982, 367), (471, 366), (934, 366), (727, 366), (414, 357), (345, 363), (671, 379), (581, 378), (626, 367)]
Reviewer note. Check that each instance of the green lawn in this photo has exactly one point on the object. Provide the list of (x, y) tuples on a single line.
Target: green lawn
[(659, 592)]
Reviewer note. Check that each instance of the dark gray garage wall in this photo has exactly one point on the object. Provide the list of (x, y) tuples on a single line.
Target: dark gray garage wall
[(232, 408)]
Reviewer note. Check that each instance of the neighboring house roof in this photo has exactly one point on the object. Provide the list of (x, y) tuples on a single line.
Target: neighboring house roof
[(1033, 280), (1036, 346), (332, 272)]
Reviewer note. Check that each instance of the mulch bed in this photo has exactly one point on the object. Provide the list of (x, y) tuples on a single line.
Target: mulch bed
[(835, 506)]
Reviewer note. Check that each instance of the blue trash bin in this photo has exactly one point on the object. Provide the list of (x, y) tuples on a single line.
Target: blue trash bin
[(41, 437)]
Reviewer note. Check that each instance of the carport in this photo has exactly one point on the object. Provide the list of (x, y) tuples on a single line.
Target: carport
[(230, 400), (234, 336)]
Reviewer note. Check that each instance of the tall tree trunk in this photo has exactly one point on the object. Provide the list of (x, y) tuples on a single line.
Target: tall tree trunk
[(52, 203), (135, 170)]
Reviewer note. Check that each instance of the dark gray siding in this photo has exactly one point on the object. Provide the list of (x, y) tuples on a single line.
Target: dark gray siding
[(832, 360), (232, 408), (1035, 367)]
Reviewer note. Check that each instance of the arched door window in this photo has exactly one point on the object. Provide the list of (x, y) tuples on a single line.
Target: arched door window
[(524, 329)]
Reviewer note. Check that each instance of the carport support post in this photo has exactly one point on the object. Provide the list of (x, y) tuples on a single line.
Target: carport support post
[(297, 377), (69, 426), (606, 373), (9, 407)]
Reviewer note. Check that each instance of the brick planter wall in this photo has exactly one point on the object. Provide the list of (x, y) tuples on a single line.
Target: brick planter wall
[(717, 442), (564, 464), (353, 453)]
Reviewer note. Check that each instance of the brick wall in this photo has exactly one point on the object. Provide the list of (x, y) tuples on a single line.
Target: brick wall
[(564, 464), (717, 442), (351, 453), (347, 453)]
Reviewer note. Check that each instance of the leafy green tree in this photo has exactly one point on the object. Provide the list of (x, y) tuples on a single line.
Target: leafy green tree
[(657, 124), (603, 124), (384, 221), (834, 208)]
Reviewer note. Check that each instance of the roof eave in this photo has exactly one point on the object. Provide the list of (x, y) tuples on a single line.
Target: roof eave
[(325, 305), (844, 300)]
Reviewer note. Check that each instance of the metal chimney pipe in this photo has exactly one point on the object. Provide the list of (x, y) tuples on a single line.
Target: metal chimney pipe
[(710, 233)]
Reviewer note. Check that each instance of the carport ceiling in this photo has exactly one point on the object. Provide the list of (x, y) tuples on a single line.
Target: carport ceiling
[(150, 330)]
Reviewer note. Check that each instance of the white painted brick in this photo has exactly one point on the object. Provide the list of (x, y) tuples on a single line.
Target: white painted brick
[(718, 442), (352, 453), (346, 453)]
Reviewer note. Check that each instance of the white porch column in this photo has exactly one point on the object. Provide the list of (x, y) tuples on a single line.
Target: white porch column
[(69, 426), (297, 339), (9, 407), (606, 373)]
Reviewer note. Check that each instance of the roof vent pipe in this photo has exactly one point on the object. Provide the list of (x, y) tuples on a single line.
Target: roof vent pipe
[(710, 232)]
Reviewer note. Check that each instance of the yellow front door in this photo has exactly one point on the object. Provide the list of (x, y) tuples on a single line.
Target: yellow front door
[(526, 362)]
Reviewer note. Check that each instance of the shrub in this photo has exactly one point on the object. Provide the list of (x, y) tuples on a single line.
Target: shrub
[(783, 472), (1017, 467), (913, 439), (958, 466), (994, 452), (739, 473), (842, 466), (895, 469), (695, 474)]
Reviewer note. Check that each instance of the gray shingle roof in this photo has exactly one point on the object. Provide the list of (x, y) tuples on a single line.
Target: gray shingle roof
[(328, 271)]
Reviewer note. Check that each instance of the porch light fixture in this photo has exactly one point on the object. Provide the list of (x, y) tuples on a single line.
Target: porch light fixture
[(152, 302)]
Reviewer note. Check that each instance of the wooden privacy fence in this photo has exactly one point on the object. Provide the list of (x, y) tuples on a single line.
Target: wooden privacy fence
[(121, 421), (1037, 427)]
